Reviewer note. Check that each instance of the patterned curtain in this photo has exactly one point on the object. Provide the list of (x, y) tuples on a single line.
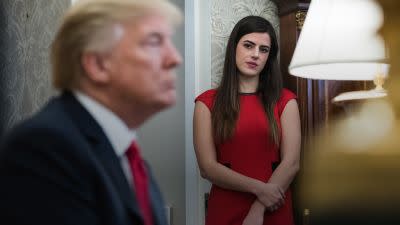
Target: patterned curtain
[(27, 28)]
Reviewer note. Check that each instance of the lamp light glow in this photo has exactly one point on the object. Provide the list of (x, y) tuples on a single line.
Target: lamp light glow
[(339, 41)]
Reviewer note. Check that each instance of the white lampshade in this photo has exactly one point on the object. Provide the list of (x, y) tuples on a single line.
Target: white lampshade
[(339, 41)]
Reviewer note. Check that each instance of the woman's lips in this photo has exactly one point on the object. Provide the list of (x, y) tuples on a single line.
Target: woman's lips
[(251, 65)]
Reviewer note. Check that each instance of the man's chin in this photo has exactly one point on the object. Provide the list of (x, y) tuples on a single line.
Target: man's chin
[(167, 101), (171, 101)]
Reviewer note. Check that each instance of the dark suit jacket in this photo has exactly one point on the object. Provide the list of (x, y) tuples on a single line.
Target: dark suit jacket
[(59, 168)]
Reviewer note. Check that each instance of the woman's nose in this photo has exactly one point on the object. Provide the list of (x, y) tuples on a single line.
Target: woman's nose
[(255, 53)]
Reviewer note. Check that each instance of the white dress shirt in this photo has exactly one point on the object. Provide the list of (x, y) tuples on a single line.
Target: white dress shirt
[(119, 135)]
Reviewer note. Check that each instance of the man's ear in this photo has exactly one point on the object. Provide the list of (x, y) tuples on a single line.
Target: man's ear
[(93, 64)]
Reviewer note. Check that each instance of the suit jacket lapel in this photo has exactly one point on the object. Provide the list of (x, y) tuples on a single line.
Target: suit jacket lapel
[(156, 200), (113, 167), (102, 149)]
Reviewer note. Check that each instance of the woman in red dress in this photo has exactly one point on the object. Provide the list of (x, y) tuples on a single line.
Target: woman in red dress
[(247, 133)]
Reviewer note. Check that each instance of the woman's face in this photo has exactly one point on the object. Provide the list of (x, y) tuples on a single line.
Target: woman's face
[(252, 53)]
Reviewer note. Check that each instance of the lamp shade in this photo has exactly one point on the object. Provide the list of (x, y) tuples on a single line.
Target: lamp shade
[(339, 41)]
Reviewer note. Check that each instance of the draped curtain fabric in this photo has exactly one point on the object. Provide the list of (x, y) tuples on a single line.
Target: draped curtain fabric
[(27, 28)]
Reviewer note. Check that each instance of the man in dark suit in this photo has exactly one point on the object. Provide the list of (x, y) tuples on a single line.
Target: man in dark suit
[(76, 161)]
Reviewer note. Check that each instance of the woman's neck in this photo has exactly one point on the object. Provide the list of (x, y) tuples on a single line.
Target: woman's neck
[(248, 84)]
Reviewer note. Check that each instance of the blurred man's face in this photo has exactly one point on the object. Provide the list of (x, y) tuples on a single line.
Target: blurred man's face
[(141, 66)]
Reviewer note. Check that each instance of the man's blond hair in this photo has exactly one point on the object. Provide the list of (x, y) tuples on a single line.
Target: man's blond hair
[(91, 26)]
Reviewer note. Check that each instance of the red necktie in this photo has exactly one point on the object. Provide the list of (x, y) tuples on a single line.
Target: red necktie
[(141, 182)]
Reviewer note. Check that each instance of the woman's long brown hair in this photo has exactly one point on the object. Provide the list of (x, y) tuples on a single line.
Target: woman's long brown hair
[(227, 101)]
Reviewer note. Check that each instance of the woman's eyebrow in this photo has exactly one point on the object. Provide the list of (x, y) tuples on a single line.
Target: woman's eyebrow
[(250, 42)]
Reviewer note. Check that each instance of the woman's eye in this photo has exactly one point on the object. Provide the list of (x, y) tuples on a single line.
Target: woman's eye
[(264, 50), (246, 45)]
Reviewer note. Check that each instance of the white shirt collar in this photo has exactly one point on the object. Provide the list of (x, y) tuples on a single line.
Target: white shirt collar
[(115, 129)]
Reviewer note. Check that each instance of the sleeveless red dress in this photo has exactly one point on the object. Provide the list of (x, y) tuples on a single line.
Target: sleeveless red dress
[(252, 153)]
